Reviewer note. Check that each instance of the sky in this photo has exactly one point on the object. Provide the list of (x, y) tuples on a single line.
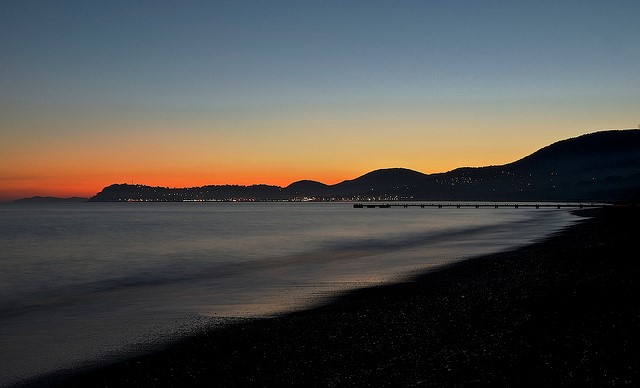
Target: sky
[(188, 93)]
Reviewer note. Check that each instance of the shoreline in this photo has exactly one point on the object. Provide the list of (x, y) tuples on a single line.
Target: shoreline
[(554, 312)]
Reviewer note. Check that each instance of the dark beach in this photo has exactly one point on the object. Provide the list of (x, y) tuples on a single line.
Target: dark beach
[(559, 312)]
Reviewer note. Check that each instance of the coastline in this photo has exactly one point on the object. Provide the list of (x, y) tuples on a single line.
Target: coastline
[(557, 312)]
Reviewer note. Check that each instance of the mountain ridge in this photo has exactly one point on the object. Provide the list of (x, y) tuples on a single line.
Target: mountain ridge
[(598, 166)]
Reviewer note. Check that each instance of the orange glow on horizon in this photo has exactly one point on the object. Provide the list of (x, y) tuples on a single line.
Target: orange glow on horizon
[(76, 163), (87, 185)]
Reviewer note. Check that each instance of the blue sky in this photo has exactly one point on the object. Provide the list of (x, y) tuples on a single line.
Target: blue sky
[(262, 76)]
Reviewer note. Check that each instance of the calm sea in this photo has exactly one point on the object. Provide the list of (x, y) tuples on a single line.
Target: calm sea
[(88, 281)]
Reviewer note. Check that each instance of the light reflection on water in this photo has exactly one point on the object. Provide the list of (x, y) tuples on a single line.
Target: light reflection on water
[(80, 281)]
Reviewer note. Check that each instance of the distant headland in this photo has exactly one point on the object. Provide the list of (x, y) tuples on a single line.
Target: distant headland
[(51, 199), (600, 166)]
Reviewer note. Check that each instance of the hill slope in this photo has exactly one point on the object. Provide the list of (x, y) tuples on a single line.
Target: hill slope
[(601, 166)]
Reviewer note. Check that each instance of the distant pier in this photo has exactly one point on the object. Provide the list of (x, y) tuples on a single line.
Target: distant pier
[(475, 205)]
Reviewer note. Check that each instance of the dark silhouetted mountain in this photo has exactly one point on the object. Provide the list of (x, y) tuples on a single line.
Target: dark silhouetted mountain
[(399, 181), (601, 166), (598, 166), (126, 192)]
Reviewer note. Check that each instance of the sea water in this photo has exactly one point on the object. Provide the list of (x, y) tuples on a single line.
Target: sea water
[(84, 282)]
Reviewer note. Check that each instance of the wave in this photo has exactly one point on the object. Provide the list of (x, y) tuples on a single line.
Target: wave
[(192, 267)]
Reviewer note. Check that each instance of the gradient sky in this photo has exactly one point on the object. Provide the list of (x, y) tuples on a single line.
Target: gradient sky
[(182, 93)]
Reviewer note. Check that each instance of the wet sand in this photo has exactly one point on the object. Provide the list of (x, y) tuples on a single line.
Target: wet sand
[(559, 312)]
